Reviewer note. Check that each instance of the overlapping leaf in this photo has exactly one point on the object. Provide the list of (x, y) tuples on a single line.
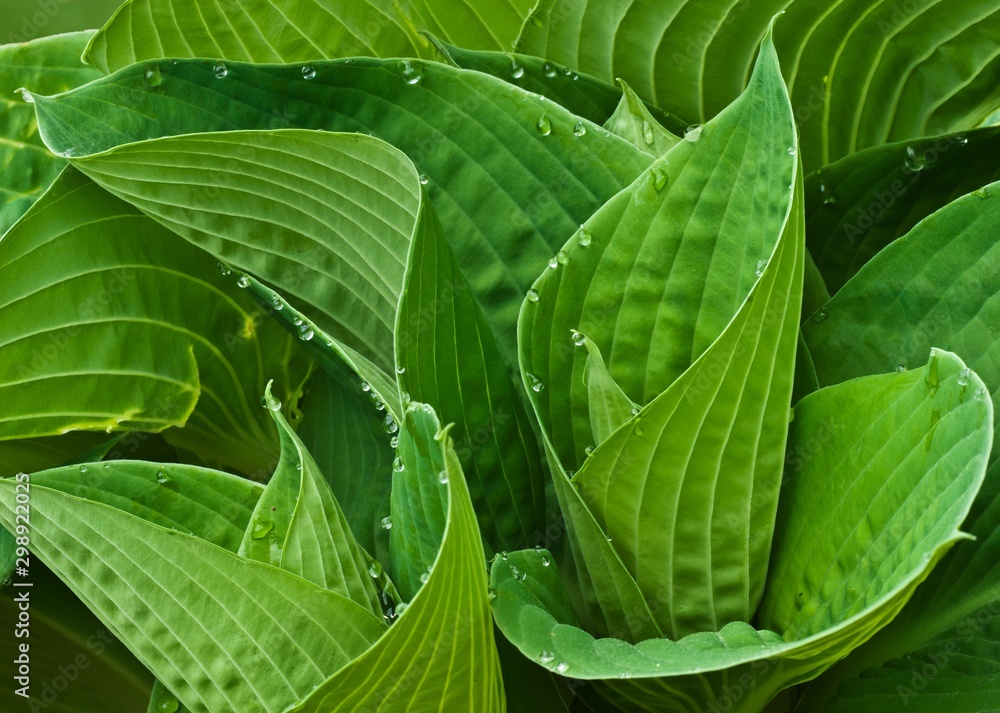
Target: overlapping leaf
[(527, 179), (724, 273), (874, 500), (860, 73), (84, 273), (51, 65)]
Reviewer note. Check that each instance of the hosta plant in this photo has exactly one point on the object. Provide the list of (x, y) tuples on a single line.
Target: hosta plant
[(440, 356)]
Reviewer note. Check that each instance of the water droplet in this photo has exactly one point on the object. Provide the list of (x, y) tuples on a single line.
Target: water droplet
[(394, 442), (961, 139), (83, 469), (826, 194), (659, 178), (693, 132), (306, 333), (543, 125), (397, 465), (553, 262), (584, 238), (549, 70), (309, 72), (107, 465), (634, 411), (380, 405), (578, 339), (26, 95), (411, 71), (625, 674), (261, 528), (387, 525), (400, 369), (517, 574), (562, 257), (297, 322), (400, 608), (225, 269), (647, 132), (545, 561), (243, 282), (933, 381), (761, 266), (535, 383), (963, 376), (579, 129), (562, 667), (389, 424), (491, 593), (532, 296), (153, 76), (375, 569), (516, 70), (161, 477), (424, 576), (901, 367), (220, 70), (278, 303), (423, 179), (503, 556), (820, 316), (589, 450), (791, 151), (546, 657), (168, 704), (443, 477), (915, 159)]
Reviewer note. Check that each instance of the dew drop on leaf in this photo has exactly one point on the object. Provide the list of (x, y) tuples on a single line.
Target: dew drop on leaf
[(545, 561), (532, 296), (306, 333), (562, 257), (553, 262), (546, 657), (153, 76), (535, 383), (161, 477), (389, 424), (579, 129), (791, 151), (693, 132), (549, 70), (243, 282), (309, 72), (220, 70), (423, 178), (820, 317), (516, 70), (961, 139), (589, 450), (543, 125), (397, 465), (584, 238), (83, 469), (387, 525), (647, 132), (443, 477), (562, 667), (578, 338), (915, 159), (412, 71), (225, 269), (168, 704), (761, 266)]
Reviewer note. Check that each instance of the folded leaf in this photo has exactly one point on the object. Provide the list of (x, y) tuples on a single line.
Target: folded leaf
[(633, 121), (52, 65), (213, 641), (521, 156), (84, 272), (439, 654)]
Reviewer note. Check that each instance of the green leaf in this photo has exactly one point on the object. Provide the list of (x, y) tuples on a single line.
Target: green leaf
[(851, 546), (634, 122), (439, 654), (716, 358), (290, 31), (34, 454), (347, 438), (860, 204), (448, 356), (546, 182), (218, 642), (859, 75), (298, 525), (53, 65), (163, 700), (585, 96), (608, 404), (937, 284), (82, 271)]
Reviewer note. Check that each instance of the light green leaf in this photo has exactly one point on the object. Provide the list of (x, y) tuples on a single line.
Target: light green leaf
[(290, 31), (840, 513), (634, 122), (860, 204), (859, 74), (448, 356), (219, 642), (716, 357), (52, 65), (937, 283), (439, 654), (82, 271), (298, 525), (347, 436), (545, 181), (609, 406)]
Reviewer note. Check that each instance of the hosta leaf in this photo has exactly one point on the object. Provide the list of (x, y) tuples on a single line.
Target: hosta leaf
[(296, 31), (860, 204), (298, 525), (439, 655), (448, 356), (34, 454), (347, 437), (608, 405), (52, 65), (935, 284), (860, 73), (111, 276), (521, 158), (712, 439), (582, 94), (219, 642), (633, 121), (852, 545)]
